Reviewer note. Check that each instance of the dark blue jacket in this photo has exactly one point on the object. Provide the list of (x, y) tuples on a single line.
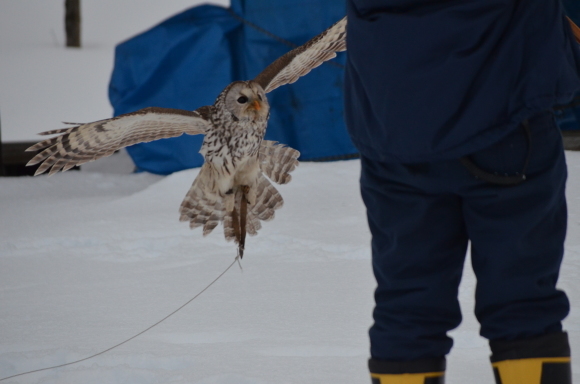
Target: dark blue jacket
[(429, 80)]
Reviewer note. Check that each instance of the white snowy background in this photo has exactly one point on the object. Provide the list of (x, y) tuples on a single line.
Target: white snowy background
[(89, 259)]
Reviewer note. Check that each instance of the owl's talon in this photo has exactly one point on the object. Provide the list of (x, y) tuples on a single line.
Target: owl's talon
[(249, 194)]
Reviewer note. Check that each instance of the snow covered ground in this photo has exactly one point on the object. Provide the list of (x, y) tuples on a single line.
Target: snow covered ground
[(89, 259)]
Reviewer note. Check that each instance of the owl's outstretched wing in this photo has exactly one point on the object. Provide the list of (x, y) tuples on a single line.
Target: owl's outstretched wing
[(87, 142), (298, 62)]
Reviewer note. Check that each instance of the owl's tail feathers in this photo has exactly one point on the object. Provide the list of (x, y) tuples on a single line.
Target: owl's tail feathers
[(201, 208), (205, 209), (268, 199)]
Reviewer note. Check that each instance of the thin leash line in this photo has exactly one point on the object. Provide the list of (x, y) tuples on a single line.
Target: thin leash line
[(131, 338)]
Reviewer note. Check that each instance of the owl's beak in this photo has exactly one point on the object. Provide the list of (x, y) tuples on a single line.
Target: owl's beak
[(256, 105)]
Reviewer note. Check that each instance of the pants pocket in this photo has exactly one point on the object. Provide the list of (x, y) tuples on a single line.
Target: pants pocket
[(521, 153)]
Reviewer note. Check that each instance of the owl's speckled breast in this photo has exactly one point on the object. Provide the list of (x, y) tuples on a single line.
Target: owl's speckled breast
[(232, 144)]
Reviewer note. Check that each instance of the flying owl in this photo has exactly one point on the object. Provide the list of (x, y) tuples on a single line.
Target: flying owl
[(233, 185)]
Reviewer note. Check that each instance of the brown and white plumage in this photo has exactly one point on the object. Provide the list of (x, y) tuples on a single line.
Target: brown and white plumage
[(299, 61), (233, 185), (87, 142)]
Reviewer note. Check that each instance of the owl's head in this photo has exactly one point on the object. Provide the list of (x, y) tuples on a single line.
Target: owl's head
[(246, 100)]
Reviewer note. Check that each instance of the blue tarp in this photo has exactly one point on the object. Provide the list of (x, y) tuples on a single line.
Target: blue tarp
[(187, 60)]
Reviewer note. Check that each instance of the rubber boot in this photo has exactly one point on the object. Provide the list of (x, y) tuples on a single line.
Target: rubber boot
[(428, 371), (541, 360)]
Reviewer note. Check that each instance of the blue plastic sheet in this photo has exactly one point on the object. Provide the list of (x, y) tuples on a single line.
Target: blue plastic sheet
[(187, 60)]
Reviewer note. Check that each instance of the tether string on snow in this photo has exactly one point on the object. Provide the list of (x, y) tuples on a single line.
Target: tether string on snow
[(131, 338)]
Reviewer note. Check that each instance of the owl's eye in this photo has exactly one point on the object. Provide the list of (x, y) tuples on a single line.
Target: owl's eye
[(260, 97), (242, 99)]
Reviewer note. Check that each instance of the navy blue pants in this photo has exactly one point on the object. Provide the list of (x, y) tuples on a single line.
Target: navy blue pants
[(422, 217)]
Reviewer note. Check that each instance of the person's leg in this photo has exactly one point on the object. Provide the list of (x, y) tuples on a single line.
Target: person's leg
[(418, 245), (517, 242)]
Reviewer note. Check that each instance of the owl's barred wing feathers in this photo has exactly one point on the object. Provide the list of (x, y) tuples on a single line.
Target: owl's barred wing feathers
[(91, 141), (298, 62), (277, 161)]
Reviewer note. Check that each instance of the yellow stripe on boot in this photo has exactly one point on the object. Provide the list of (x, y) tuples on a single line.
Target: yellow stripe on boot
[(408, 378), (525, 371)]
